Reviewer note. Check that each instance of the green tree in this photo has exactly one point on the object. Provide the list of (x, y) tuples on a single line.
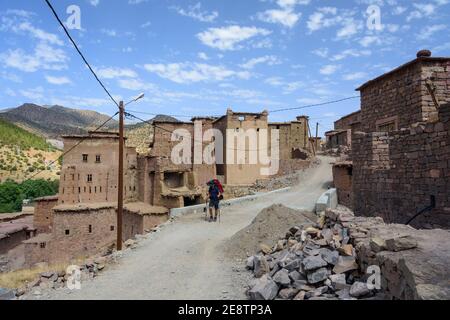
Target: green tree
[(10, 197)]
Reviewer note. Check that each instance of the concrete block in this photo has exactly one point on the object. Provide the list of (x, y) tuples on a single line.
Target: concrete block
[(328, 200)]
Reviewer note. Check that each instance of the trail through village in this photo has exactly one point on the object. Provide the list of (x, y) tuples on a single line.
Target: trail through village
[(189, 258)]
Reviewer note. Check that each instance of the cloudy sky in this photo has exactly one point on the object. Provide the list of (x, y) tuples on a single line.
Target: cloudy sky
[(201, 57)]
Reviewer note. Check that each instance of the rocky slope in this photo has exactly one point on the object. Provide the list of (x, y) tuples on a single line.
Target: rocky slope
[(54, 121)]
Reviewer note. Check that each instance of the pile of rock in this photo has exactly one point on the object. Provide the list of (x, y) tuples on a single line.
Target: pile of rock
[(318, 263), (59, 279)]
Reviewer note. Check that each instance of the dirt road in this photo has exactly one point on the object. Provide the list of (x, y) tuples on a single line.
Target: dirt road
[(183, 260)]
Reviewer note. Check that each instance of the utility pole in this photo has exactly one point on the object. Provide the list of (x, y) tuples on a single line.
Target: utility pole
[(120, 178), (317, 135)]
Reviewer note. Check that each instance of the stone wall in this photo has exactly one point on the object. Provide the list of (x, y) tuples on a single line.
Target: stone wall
[(401, 97), (43, 213), (346, 122), (342, 177), (395, 174)]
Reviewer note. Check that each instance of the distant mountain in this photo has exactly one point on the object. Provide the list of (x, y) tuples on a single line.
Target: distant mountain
[(54, 121)]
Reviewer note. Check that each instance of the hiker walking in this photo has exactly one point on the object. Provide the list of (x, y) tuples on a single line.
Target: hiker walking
[(215, 192)]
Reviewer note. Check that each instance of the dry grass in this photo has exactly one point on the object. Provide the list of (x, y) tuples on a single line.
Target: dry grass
[(19, 278)]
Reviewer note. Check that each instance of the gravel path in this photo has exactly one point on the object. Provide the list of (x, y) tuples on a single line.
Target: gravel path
[(183, 260)]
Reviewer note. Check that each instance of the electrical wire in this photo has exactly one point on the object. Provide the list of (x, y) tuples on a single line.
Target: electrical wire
[(79, 52)]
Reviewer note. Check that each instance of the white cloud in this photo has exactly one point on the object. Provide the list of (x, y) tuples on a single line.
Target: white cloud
[(355, 76), (350, 53), (194, 72), (112, 73), (44, 57), (94, 2), (231, 37), (287, 87), (329, 69), (370, 40), (109, 32), (286, 17), (35, 94), (428, 31), (135, 84), (195, 12), (38, 33), (57, 80), (350, 27), (321, 52), (323, 18), (203, 56), (422, 10), (146, 24), (269, 60)]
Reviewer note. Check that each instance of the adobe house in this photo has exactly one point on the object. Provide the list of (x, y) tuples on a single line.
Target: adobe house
[(89, 173), (43, 213), (342, 133), (400, 155)]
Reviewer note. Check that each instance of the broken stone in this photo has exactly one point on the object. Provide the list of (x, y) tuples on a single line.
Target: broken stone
[(338, 281), (250, 264), (6, 294), (282, 278), (345, 294), (359, 289), (265, 248), (331, 257), (327, 234), (300, 296), (319, 291), (346, 250), (280, 245), (294, 230), (295, 275), (401, 243), (303, 285), (261, 266), (292, 243), (265, 289), (377, 244), (312, 231), (311, 249), (345, 264), (317, 276), (293, 265), (287, 293), (313, 263), (100, 267)]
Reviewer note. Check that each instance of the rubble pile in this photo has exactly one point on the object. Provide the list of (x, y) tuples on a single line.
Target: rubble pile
[(328, 261)]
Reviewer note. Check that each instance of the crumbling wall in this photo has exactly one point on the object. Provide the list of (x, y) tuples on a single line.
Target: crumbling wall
[(395, 174), (343, 178)]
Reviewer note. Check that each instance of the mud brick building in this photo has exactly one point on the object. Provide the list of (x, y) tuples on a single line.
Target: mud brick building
[(43, 213), (89, 175), (342, 133), (14, 231), (401, 155)]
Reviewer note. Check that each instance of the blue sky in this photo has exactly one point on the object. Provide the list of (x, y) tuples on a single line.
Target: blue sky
[(201, 57)]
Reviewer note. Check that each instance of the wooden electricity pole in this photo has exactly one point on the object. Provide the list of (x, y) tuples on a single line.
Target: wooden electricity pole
[(317, 136), (120, 178)]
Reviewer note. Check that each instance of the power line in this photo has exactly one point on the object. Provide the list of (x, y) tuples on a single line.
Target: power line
[(71, 149), (79, 52), (271, 111), (314, 105), (193, 139)]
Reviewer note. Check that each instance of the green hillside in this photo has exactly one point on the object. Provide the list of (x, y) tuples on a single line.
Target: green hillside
[(12, 135)]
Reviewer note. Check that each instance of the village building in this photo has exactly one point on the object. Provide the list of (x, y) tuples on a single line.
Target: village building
[(400, 168), (82, 218), (341, 136)]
